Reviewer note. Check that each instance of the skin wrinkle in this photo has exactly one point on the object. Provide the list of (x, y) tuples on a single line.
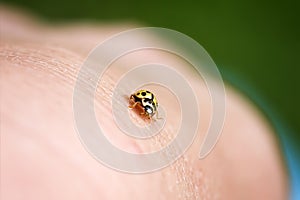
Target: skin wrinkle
[(186, 180), (60, 67)]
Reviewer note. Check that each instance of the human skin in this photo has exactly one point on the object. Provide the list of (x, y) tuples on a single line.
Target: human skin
[(42, 156)]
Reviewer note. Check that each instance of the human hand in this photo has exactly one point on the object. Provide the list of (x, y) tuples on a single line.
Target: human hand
[(42, 157)]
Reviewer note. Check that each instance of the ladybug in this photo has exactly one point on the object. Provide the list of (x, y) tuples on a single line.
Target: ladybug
[(145, 100)]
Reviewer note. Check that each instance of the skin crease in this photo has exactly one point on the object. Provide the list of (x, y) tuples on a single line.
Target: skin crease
[(43, 158)]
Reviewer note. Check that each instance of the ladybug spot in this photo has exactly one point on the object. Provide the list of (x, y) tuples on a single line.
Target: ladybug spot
[(147, 91), (143, 93), (153, 104), (138, 93)]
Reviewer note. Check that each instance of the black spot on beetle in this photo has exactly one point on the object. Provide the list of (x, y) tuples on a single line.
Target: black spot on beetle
[(136, 99), (138, 93), (147, 100), (143, 93)]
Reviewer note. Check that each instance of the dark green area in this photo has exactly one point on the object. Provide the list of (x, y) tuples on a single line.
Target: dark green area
[(257, 40)]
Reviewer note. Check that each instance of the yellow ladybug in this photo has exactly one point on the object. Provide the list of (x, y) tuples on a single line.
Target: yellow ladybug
[(146, 101)]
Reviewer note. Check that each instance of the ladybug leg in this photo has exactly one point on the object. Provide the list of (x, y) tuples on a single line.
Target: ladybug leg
[(148, 116), (133, 106), (142, 113)]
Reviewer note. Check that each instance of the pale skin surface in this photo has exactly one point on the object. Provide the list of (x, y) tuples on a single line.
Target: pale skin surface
[(43, 158)]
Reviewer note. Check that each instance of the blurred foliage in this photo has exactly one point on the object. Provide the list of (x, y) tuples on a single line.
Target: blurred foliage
[(257, 40)]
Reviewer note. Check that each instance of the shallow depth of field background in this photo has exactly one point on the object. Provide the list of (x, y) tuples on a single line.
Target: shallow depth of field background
[(254, 41)]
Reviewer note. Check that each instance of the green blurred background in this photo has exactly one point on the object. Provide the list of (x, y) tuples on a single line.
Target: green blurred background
[(258, 41)]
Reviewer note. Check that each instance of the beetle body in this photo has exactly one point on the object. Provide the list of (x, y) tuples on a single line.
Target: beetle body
[(146, 101)]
